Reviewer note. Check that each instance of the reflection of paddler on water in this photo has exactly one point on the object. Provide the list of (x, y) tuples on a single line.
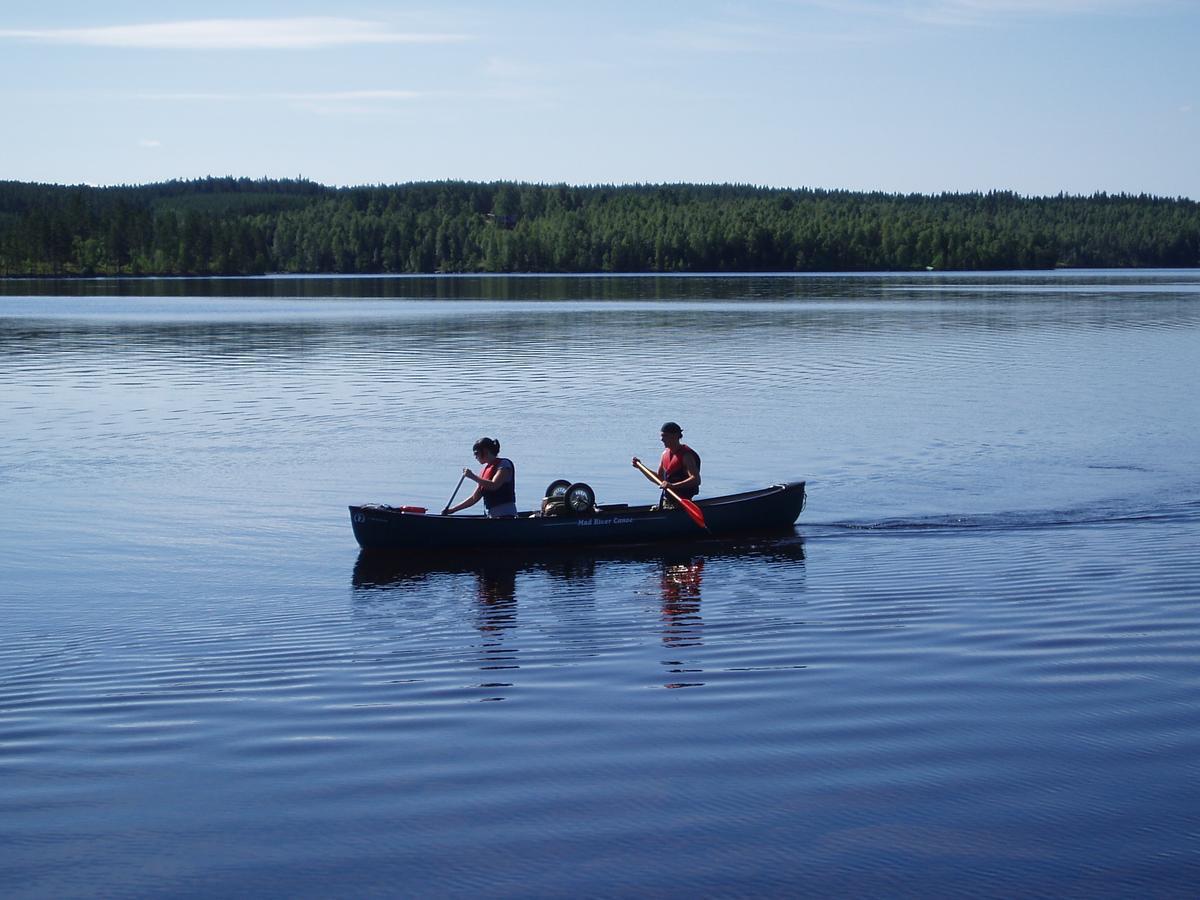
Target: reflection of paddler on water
[(681, 582), (496, 593), (682, 625), (496, 613), (490, 587)]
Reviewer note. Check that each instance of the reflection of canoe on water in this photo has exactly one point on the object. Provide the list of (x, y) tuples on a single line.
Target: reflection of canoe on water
[(774, 508), (568, 564)]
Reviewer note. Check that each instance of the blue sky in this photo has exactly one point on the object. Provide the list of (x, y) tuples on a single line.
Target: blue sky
[(1035, 96)]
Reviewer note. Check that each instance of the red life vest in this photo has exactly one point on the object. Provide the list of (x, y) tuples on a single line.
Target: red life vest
[(505, 493), (672, 468)]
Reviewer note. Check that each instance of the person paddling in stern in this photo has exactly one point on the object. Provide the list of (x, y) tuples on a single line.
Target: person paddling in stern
[(496, 483), (679, 467)]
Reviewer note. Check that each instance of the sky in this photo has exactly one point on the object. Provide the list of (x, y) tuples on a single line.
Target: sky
[(926, 96)]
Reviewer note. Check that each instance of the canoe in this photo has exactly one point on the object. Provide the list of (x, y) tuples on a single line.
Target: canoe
[(770, 509)]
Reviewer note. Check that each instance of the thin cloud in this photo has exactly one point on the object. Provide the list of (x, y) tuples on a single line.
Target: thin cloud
[(864, 22), (284, 96), (719, 38), (234, 34), (149, 143), (343, 103), (977, 12), (974, 12), (1041, 7)]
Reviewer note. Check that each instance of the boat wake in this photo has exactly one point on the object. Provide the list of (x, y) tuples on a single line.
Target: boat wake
[(1110, 513)]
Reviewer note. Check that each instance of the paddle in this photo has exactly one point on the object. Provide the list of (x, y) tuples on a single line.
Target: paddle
[(688, 506), (450, 502)]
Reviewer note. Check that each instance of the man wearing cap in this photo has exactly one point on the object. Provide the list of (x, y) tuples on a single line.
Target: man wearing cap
[(679, 467)]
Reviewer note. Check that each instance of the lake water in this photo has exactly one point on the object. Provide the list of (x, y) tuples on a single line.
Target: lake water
[(973, 670)]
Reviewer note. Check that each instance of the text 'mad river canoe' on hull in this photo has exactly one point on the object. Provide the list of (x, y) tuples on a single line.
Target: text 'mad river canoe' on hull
[(774, 508)]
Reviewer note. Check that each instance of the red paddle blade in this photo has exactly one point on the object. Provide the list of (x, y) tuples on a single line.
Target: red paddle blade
[(694, 511)]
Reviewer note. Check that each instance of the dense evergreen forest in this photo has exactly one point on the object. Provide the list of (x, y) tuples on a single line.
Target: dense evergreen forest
[(240, 226)]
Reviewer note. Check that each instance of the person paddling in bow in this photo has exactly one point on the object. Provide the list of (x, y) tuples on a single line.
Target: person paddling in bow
[(496, 483), (679, 467)]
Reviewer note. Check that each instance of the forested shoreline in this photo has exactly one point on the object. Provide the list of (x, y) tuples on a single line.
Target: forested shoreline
[(241, 226)]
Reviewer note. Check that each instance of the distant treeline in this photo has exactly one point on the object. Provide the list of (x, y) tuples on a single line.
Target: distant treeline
[(240, 226)]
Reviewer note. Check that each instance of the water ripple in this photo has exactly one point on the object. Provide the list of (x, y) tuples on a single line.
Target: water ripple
[(970, 671)]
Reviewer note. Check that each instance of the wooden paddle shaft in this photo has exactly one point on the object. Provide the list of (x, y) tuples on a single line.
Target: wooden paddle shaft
[(649, 473)]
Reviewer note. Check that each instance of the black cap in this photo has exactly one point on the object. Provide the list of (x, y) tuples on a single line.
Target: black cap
[(672, 428)]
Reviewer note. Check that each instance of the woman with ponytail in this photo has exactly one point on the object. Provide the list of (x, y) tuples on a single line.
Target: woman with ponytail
[(495, 484)]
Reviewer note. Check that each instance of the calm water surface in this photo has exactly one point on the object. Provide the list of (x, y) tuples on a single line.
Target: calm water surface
[(973, 670)]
